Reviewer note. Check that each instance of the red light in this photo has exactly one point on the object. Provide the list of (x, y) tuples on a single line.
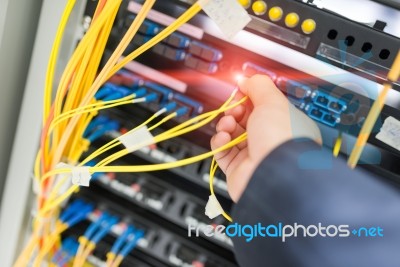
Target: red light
[(239, 77)]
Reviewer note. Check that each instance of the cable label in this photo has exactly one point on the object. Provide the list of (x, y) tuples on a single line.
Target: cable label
[(390, 133), (229, 15), (137, 139), (81, 176), (213, 208)]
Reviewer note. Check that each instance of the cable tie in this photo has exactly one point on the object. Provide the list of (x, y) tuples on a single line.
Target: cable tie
[(137, 139), (229, 25), (41, 218), (213, 207), (81, 176)]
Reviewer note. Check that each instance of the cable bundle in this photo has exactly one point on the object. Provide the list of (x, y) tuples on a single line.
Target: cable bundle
[(70, 125)]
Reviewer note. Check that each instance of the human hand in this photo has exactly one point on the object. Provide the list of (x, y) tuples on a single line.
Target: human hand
[(269, 119)]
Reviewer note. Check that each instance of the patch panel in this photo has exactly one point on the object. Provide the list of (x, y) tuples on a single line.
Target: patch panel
[(194, 107), (147, 28), (329, 102), (178, 40), (205, 52), (299, 103), (127, 79), (249, 69), (321, 115), (201, 65), (140, 39), (157, 242), (167, 201), (198, 172), (193, 173), (169, 52), (178, 148), (294, 89), (164, 94)]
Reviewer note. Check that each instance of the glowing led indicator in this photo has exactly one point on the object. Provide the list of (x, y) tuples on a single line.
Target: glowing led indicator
[(308, 26), (275, 13), (259, 7), (291, 20)]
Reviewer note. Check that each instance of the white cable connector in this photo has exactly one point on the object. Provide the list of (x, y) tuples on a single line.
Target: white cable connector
[(138, 100), (213, 208)]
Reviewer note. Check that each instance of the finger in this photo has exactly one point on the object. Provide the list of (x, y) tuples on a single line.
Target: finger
[(239, 95), (223, 158), (228, 124), (218, 140), (237, 112), (260, 89)]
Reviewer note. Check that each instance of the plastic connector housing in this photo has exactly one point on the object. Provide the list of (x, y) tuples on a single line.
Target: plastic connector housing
[(164, 94), (329, 102), (182, 111), (294, 89), (322, 116), (194, 107), (170, 106), (250, 69)]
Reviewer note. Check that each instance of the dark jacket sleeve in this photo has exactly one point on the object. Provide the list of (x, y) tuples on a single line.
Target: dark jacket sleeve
[(302, 183)]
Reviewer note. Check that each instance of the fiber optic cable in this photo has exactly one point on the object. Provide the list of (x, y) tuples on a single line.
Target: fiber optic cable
[(129, 246), (185, 17), (45, 144), (118, 244), (209, 116), (116, 142), (53, 58), (338, 145), (105, 226), (213, 169), (103, 75), (86, 41), (100, 105)]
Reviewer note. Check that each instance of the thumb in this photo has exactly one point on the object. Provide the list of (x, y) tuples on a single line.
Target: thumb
[(261, 90)]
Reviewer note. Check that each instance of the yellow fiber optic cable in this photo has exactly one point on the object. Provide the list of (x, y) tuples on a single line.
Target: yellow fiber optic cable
[(185, 17), (116, 142), (167, 118), (338, 145), (53, 58), (213, 169), (86, 41), (98, 105), (49, 244), (102, 77), (139, 168), (173, 133), (118, 261), (39, 224)]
